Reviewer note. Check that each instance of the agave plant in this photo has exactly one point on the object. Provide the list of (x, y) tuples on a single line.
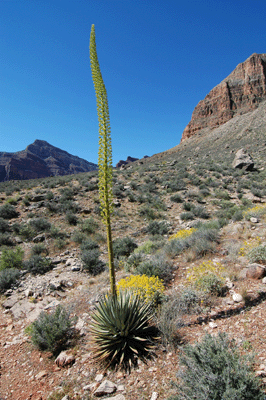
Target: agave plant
[(121, 330)]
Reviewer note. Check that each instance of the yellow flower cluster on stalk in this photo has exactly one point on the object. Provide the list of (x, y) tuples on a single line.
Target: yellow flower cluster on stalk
[(182, 234), (205, 268), (249, 245), (149, 288)]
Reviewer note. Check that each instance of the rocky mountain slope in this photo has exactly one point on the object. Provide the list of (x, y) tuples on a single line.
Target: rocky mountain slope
[(242, 91), (187, 210), (39, 160)]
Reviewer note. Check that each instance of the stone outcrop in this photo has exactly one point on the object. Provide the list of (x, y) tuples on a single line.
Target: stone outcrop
[(240, 92), (243, 160), (39, 160), (125, 162)]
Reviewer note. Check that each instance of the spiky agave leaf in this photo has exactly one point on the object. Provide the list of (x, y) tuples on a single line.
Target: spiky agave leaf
[(121, 330)]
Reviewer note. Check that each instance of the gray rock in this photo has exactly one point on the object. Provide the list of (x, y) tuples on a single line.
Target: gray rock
[(39, 238), (9, 303), (243, 160), (106, 387), (237, 297)]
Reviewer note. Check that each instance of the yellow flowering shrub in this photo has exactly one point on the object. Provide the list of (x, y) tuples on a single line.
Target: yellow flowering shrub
[(182, 234), (148, 288), (249, 245), (208, 276), (256, 211)]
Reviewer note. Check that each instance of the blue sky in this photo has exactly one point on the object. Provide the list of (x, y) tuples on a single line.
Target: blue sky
[(158, 59)]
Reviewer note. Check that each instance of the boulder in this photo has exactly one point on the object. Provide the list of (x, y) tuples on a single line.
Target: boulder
[(255, 271), (243, 160)]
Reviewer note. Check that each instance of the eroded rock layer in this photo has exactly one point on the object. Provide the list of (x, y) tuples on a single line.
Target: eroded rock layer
[(240, 92)]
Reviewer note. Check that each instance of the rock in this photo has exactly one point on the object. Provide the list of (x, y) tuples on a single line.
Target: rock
[(237, 94), (128, 160), (41, 374), (66, 397), (39, 238), (106, 387), (243, 160), (117, 397), (99, 377), (9, 303), (237, 297), (264, 280), (154, 396), (254, 220), (255, 271), (53, 303), (212, 325), (64, 359)]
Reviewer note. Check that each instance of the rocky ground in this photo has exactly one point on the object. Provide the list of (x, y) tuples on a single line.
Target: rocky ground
[(27, 373)]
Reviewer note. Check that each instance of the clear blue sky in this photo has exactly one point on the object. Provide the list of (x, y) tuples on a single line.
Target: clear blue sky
[(158, 59)]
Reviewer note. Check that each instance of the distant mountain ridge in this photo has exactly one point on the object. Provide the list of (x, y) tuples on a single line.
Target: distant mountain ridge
[(39, 160)]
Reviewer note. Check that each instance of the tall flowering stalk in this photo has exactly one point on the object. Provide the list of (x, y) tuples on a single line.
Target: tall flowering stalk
[(105, 153)]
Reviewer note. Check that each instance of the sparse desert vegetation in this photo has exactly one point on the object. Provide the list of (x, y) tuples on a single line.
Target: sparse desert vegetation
[(191, 269)]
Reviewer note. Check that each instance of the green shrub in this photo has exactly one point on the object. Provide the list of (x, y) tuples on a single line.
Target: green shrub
[(257, 255), (176, 198), (215, 369), (78, 237), (71, 218), (7, 211), (186, 216), (121, 330), (89, 226), (169, 321), (25, 231), (123, 246), (40, 224), (91, 261), (211, 283), (11, 258), (52, 332), (158, 227), (157, 265), (38, 265), (148, 212), (8, 278), (38, 249), (6, 239), (4, 226), (88, 244)]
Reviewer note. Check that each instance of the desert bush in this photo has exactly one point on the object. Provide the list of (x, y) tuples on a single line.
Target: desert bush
[(91, 261), (208, 277), (201, 212), (11, 258), (25, 231), (123, 246), (71, 218), (257, 255), (157, 265), (121, 330), (8, 278), (39, 249), (147, 247), (38, 265), (248, 245), (158, 227), (176, 198), (257, 212), (52, 332), (89, 226), (78, 237), (6, 239), (174, 247), (40, 224), (148, 212), (88, 244), (134, 260), (186, 216), (182, 234), (148, 288), (7, 211), (4, 226), (215, 369), (169, 321)]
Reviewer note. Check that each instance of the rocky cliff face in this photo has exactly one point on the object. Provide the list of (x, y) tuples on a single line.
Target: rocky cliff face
[(240, 92), (39, 160)]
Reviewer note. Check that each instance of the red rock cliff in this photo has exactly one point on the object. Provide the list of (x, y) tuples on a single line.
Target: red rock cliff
[(239, 93)]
